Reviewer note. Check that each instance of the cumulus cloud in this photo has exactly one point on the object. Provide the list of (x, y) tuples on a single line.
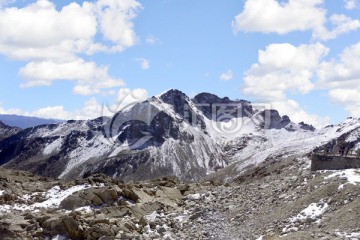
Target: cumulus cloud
[(226, 76), (283, 68), (298, 114), (90, 78), (341, 76), (144, 63), (350, 4), (272, 16), (91, 109), (151, 40), (56, 39), (127, 98), (341, 25), (6, 2)]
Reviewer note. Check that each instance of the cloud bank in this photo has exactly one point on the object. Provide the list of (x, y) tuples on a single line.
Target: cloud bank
[(53, 42)]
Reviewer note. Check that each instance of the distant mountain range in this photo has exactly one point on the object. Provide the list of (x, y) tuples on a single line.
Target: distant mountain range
[(167, 135), (25, 122)]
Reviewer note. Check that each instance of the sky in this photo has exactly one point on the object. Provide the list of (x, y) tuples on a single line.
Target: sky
[(67, 59)]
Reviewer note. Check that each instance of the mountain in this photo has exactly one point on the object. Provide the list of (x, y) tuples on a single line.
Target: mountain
[(25, 121), (166, 135), (253, 172), (7, 131)]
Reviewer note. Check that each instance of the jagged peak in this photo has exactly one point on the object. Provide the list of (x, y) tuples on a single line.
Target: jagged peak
[(206, 97), (306, 126), (172, 94)]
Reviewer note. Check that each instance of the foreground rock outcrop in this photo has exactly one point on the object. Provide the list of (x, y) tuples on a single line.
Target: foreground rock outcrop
[(279, 198)]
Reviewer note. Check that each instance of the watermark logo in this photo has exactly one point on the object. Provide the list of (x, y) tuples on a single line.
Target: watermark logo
[(134, 125), (226, 118)]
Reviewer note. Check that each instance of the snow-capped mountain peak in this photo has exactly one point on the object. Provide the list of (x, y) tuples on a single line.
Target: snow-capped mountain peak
[(169, 134)]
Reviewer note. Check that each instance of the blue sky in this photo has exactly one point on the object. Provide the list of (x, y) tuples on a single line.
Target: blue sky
[(299, 56)]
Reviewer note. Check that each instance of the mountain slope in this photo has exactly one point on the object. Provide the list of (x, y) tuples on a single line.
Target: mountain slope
[(169, 134), (127, 146), (7, 131)]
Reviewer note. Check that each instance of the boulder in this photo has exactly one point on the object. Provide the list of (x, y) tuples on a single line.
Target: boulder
[(136, 195), (100, 230), (7, 234), (72, 202), (140, 210), (115, 212), (107, 195), (72, 227), (90, 197), (53, 226), (167, 192)]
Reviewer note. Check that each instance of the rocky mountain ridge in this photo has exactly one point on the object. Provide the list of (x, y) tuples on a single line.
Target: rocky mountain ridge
[(166, 135)]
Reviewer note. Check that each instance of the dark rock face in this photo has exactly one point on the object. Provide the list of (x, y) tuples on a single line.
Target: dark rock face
[(6, 131), (273, 120), (177, 99), (305, 126), (213, 107), (181, 104), (160, 128), (24, 150)]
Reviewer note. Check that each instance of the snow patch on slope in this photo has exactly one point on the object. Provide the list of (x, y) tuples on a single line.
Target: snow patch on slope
[(282, 143), (53, 147), (53, 196), (88, 150), (351, 175)]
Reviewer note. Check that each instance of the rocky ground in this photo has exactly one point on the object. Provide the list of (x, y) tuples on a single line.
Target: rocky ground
[(277, 200)]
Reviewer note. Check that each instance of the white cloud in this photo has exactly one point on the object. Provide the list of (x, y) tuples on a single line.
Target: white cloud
[(350, 4), (343, 71), (226, 76), (90, 79), (56, 39), (144, 63), (115, 21), (341, 77), (347, 97), (297, 114), (272, 16), (151, 40), (91, 109), (283, 68), (127, 97), (10, 111), (6, 2), (55, 112), (341, 25)]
